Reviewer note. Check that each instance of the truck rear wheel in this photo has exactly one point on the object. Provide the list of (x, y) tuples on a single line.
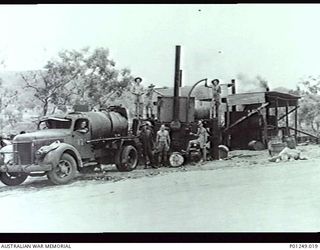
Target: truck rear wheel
[(13, 179), (127, 159), (64, 172)]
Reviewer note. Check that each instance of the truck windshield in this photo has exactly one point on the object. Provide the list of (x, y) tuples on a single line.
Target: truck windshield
[(55, 124)]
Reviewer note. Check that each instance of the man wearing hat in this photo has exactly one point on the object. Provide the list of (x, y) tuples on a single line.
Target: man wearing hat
[(146, 138), (137, 91), (216, 91), (149, 100)]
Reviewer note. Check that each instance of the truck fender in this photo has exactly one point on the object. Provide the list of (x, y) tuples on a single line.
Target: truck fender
[(54, 156)]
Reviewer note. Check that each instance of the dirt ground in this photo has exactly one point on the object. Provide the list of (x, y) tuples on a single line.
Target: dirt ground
[(245, 193)]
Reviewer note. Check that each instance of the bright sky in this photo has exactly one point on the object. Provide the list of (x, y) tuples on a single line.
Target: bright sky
[(279, 42)]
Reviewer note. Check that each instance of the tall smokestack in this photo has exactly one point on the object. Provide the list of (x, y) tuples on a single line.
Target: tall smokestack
[(176, 85)]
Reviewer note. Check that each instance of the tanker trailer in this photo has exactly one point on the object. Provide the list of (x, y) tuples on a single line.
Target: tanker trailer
[(64, 145)]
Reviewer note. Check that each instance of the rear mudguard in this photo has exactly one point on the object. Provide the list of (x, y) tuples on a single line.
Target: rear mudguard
[(54, 156)]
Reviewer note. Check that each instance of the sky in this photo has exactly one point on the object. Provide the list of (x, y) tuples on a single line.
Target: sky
[(281, 43)]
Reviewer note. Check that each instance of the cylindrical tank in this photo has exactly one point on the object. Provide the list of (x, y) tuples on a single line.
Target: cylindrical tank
[(202, 112), (107, 124)]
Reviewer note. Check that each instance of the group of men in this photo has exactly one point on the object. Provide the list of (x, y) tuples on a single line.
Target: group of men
[(150, 148), (138, 91), (156, 153)]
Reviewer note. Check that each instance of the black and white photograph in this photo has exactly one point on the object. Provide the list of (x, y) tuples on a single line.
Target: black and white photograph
[(159, 118)]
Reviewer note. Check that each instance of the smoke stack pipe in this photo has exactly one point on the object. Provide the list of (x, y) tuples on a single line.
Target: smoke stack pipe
[(176, 85), (233, 92)]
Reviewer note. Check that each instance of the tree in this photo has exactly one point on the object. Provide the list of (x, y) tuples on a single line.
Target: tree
[(50, 84), (309, 111), (13, 116), (82, 76), (100, 81), (7, 97)]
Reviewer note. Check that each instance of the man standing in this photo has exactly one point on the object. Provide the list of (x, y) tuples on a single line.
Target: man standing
[(146, 137), (202, 134), (137, 91), (163, 144), (216, 92), (149, 101)]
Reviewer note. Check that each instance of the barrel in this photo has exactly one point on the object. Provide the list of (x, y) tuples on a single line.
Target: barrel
[(276, 147)]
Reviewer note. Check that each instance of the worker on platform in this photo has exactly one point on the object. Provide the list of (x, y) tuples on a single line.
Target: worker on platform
[(146, 138), (216, 92), (149, 100), (202, 140), (138, 91), (163, 145)]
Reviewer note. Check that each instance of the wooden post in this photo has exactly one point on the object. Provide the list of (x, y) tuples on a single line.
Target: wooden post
[(265, 130), (227, 124), (296, 123), (287, 118), (276, 114), (215, 139)]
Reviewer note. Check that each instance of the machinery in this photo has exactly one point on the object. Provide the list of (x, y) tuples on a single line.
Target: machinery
[(63, 145), (180, 116)]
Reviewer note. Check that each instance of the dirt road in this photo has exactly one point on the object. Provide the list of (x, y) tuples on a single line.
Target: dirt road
[(245, 193)]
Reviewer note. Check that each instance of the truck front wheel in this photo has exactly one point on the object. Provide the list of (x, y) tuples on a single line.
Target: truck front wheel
[(65, 171), (13, 179), (127, 159)]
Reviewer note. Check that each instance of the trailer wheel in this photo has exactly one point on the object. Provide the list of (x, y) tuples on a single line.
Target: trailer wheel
[(13, 178), (65, 171), (127, 159)]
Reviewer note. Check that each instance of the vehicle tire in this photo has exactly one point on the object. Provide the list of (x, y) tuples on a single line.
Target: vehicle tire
[(13, 178), (176, 159), (223, 152), (127, 158), (65, 171)]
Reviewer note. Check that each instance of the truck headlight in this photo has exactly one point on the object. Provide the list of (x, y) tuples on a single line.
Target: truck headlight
[(46, 149), (39, 153)]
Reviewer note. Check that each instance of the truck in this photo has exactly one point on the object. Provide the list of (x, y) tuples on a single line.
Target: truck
[(63, 145)]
